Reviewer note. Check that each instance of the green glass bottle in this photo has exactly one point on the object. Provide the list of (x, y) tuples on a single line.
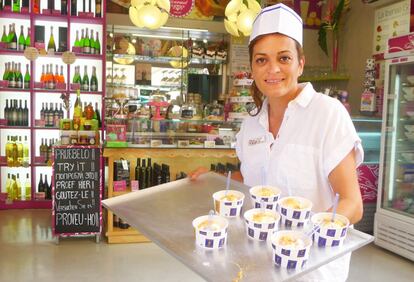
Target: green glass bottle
[(85, 80), (91, 44), (12, 38), (76, 77), (51, 46), (77, 42), (27, 41), (97, 45), (82, 40), (19, 77), (94, 80), (27, 78), (12, 77), (22, 41), (6, 71), (16, 6), (4, 36), (86, 43)]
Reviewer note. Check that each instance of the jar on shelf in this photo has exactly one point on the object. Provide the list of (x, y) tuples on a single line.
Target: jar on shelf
[(214, 111)]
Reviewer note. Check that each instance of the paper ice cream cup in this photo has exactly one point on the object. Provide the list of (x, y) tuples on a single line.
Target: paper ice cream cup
[(330, 234), (260, 225), (290, 222), (269, 195), (290, 248), (229, 204), (295, 209), (210, 231)]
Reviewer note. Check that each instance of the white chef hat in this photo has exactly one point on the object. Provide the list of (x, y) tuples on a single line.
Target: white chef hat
[(278, 18)]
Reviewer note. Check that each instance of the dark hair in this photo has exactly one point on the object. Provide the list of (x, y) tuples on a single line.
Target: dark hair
[(255, 92)]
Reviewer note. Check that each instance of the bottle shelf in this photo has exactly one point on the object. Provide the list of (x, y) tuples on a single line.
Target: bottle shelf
[(6, 166), (14, 90), (14, 127), (51, 18), (86, 20), (45, 128), (166, 60), (11, 52), (54, 55), (58, 91), (88, 92), (12, 15), (89, 56)]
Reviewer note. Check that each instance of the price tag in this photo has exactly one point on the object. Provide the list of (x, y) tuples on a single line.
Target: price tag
[(134, 185), (183, 143), (124, 164), (68, 57), (209, 144), (156, 143), (31, 53)]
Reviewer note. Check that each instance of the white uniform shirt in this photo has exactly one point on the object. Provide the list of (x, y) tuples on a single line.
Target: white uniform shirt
[(314, 137)]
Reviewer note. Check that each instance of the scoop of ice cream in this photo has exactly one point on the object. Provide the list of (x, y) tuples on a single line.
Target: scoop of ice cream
[(292, 203), (265, 192), (327, 223), (229, 197), (263, 217), (291, 241), (209, 225)]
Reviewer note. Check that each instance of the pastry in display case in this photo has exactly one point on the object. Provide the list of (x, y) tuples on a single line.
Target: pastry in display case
[(240, 99)]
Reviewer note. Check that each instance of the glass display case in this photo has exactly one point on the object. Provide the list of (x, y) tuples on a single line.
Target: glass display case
[(369, 130), (394, 219)]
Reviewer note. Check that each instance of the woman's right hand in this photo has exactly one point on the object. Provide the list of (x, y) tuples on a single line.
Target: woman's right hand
[(196, 173)]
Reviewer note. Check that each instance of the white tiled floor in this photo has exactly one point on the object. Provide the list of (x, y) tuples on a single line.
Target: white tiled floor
[(28, 253)]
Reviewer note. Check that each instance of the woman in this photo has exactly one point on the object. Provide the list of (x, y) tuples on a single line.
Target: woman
[(303, 140)]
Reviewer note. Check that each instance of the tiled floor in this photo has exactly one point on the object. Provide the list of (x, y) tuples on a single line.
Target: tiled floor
[(28, 253)]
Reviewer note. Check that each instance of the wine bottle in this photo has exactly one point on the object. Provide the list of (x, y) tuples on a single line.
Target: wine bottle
[(91, 43), (77, 42), (13, 39), (25, 4), (14, 188), (20, 114), (98, 9), (46, 188), (56, 116), (97, 45), (98, 115), (19, 77), (19, 152), (90, 6), (16, 6), (27, 188), (148, 172), (9, 190), (12, 77), (61, 76), (36, 6), (25, 152), (63, 7), (50, 115), (85, 80), (40, 186), (76, 77), (142, 176), (77, 111), (42, 112), (51, 46), (86, 43), (1, 5), (27, 78), (84, 6), (25, 114), (22, 41), (51, 78), (51, 5), (6, 71), (4, 36), (27, 41), (94, 80), (73, 8), (6, 111)]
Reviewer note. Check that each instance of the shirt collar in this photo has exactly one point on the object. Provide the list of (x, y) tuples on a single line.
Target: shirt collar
[(303, 99), (305, 96)]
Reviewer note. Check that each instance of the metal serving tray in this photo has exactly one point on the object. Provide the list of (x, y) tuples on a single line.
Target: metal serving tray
[(165, 213)]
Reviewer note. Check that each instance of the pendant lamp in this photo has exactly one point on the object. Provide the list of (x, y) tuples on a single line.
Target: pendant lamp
[(239, 16), (151, 14)]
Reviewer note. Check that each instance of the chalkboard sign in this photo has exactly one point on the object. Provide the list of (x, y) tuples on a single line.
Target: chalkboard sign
[(77, 190)]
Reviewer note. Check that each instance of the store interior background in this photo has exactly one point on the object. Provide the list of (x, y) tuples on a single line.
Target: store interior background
[(355, 43)]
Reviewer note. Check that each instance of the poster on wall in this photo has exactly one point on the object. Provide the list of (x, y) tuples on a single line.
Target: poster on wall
[(390, 21), (198, 9), (309, 10)]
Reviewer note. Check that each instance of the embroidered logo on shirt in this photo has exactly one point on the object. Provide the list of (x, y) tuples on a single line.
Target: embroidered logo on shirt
[(257, 140)]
